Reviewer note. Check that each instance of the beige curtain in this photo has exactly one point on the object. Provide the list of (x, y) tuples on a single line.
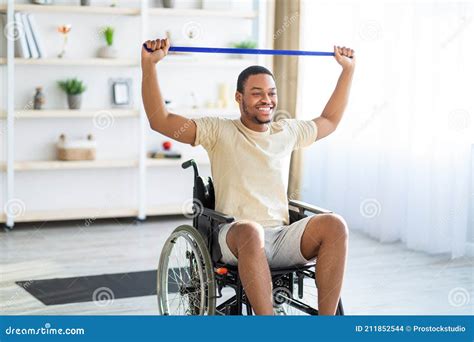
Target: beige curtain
[(285, 68)]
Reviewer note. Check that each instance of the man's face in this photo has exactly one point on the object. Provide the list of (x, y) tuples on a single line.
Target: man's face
[(259, 100)]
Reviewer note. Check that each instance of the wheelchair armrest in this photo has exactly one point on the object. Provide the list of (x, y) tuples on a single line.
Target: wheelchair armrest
[(302, 206), (217, 216)]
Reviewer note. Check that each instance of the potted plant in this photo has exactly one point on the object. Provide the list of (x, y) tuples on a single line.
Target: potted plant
[(108, 51), (245, 44), (74, 89)]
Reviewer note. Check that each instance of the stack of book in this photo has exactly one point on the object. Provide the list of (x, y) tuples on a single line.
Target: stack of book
[(163, 154), (28, 43)]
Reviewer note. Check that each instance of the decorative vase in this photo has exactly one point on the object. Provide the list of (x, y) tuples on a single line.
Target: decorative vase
[(64, 30), (107, 52), (38, 100), (74, 101)]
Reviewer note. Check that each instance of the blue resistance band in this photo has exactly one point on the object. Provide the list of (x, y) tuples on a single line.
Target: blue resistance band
[(245, 51)]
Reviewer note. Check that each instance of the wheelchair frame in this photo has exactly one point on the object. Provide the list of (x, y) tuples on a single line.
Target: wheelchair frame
[(206, 221)]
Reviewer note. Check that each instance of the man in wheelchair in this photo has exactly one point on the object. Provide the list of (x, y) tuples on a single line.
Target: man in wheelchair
[(250, 160)]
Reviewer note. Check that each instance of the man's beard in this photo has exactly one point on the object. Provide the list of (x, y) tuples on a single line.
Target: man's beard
[(253, 118)]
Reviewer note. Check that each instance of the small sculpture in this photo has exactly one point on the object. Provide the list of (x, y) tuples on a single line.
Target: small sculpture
[(38, 99)]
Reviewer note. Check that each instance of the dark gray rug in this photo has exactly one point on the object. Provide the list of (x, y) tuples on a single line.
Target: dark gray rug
[(99, 288)]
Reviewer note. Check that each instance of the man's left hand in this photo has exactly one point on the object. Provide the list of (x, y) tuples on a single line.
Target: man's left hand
[(345, 57)]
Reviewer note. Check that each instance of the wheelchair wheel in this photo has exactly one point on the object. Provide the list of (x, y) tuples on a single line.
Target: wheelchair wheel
[(301, 300), (185, 279), (286, 303)]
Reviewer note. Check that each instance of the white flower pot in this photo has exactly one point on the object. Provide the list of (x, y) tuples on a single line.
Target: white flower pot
[(107, 52)]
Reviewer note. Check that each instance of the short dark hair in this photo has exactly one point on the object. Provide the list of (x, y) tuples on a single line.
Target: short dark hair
[(246, 73)]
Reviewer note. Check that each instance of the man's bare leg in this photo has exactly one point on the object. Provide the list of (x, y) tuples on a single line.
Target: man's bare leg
[(246, 240), (326, 237)]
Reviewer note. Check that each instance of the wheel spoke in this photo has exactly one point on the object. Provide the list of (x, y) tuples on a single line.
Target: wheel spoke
[(189, 271)]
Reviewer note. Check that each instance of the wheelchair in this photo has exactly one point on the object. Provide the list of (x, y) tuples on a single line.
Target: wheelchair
[(192, 281)]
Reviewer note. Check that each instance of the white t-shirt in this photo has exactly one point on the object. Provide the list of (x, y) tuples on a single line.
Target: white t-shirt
[(250, 169)]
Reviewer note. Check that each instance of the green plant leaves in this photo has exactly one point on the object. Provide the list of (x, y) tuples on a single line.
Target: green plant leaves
[(72, 86), (109, 35), (245, 44)]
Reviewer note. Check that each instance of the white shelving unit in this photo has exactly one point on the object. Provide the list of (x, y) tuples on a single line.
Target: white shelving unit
[(71, 9), (91, 164), (10, 166), (176, 12), (97, 62), (71, 113)]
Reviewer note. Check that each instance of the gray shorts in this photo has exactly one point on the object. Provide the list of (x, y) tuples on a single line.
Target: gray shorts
[(282, 244)]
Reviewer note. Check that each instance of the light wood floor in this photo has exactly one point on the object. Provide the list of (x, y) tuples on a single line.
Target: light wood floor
[(381, 279)]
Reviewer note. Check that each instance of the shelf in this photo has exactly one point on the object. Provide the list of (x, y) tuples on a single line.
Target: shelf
[(73, 9), (119, 113), (180, 61), (38, 165), (69, 165), (175, 12), (81, 214), (151, 162), (72, 113), (74, 61)]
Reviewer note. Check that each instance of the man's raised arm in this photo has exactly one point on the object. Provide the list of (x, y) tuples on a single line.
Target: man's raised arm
[(172, 125), (332, 113)]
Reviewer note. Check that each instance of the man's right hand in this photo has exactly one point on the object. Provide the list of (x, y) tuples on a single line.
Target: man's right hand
[(160, 49)]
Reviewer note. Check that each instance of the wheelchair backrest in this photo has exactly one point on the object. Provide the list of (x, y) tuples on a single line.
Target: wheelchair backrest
[(203, 192)]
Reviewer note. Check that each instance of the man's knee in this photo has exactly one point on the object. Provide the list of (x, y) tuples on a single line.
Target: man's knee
[(333, 226), (245, 234)]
